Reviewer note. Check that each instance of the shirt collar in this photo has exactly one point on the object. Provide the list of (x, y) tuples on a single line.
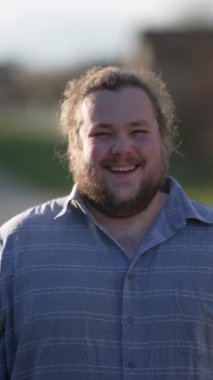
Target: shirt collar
[(179, 204), (73, 200), (183, 207)]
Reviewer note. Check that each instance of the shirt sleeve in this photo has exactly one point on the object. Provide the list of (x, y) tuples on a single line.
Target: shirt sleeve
[(3, 366)]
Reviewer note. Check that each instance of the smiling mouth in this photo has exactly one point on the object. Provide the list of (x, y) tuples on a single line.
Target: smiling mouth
[(123, 169)]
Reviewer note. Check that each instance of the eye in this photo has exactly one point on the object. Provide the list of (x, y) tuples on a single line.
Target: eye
[(102, 134), (139, 131)]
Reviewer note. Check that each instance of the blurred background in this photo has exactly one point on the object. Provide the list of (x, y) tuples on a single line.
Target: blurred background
[(44, 43)]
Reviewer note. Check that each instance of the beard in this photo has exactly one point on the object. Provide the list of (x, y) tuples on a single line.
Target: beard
[(96, 193)]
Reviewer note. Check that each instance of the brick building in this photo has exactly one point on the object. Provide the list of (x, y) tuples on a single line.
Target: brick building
[(185, 60)]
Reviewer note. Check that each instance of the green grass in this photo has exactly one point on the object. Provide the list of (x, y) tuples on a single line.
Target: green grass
[(29, 146), (195, 176), (35, 160), (204, 194)]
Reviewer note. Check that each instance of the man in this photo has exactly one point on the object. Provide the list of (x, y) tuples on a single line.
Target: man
[(115, 280)]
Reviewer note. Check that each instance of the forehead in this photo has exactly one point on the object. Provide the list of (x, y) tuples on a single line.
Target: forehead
[(108, 106)]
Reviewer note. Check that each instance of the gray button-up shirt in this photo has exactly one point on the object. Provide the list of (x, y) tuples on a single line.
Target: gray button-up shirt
[(73, 306)]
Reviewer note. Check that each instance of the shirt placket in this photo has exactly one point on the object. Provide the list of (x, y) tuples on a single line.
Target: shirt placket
[(129, 327), (131, 361)]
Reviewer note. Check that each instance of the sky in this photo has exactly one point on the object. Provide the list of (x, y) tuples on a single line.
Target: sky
[(54, 33)]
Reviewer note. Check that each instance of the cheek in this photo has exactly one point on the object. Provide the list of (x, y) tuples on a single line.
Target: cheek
[(154, 152), (93, 152), (155, 146)]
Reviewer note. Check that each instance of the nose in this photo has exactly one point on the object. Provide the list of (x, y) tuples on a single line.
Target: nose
[(122, 145)]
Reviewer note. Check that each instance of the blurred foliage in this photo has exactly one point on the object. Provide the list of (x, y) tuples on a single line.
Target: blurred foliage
[(35, 160), (32, 154), (201, 193)]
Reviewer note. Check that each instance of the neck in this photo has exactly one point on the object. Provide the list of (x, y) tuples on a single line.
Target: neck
[(130, 231)]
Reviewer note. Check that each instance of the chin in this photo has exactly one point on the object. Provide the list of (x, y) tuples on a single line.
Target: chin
[(123, 198)]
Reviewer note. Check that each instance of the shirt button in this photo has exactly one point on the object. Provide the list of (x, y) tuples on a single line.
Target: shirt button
[(131, 320), (130, 275), (131, 364)]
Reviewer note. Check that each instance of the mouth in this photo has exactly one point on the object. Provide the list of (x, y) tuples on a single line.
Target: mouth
[(122, 169)]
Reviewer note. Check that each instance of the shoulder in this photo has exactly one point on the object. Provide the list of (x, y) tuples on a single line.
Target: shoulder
[(182, 207), (202, 213), (43, 215)]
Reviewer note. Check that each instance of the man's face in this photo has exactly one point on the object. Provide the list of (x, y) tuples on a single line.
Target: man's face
[(120, 162)]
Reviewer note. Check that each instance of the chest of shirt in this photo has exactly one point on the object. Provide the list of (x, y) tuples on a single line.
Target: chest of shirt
[(172, 278), (90, 298)]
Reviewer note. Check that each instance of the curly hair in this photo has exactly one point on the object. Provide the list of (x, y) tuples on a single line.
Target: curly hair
[(114, 78)]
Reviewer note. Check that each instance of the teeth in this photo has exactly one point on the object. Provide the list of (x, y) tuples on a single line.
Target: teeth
[(122, 168)]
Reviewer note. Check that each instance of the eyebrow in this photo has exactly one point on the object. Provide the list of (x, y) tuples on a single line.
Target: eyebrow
[(135, 123), (138, 123), (101, 125)]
